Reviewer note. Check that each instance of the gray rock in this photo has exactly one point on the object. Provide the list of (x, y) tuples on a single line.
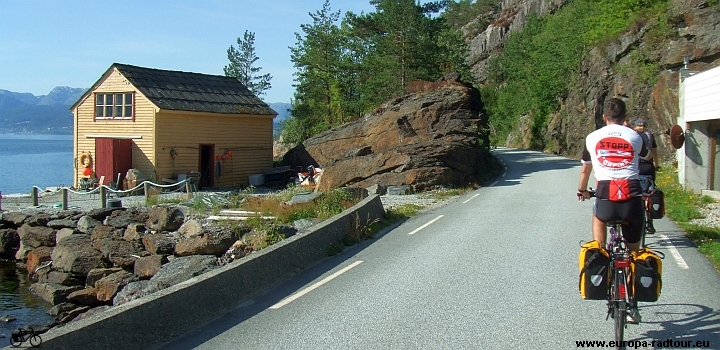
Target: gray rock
[(102, 213), (134, 290), (120, 219), (53, 293), (62, 223), (303, 197), (377, 189), (64, 232), (191, 228), (15, 218), (52, 276), (86, 224), (39, 219), (159, 243), (398, 190), (75, 255), (134, 232), (37, 236), (214, 241), (165, 218), (182, 269), (120, 253), (60, 308)]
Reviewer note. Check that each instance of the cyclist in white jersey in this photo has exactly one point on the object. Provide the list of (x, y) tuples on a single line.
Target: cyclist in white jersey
[(613, 153)]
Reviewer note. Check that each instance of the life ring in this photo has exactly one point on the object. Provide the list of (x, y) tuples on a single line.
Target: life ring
[(86, 160)]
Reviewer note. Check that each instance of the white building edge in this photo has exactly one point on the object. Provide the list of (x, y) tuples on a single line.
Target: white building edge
[(698, 158)]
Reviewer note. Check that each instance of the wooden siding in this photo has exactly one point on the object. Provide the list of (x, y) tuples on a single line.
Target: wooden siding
[(142, 125), (249, 138)]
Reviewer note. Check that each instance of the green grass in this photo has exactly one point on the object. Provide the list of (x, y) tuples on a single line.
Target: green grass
[(682, 206)]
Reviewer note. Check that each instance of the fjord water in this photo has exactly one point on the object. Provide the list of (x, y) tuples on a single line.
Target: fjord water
[(27, 161), (17, 301), (34, 160)]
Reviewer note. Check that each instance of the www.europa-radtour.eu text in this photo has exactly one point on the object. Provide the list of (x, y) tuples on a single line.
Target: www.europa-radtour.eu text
[(637, 344)]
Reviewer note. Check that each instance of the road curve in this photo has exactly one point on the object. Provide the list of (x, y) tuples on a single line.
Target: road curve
[(495, 269)]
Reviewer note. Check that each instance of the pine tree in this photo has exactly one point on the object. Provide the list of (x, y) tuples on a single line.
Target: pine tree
[(318, 103), (242, 65)]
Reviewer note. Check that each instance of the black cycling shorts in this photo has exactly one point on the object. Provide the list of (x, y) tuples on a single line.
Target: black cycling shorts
[(631, 212)]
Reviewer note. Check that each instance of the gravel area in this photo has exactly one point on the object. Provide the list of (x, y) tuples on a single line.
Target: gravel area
[(52, 201), (712, 216)]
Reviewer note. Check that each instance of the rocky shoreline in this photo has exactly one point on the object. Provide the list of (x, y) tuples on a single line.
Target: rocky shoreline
[(87, 261)]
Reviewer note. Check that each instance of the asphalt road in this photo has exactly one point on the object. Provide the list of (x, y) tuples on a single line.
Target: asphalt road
[(495, 269)]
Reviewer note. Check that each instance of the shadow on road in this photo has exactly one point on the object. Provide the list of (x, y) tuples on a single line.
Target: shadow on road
[(263, 302), (522, 163), (682, 322)]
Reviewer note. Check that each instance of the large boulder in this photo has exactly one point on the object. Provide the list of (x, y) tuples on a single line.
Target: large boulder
[(182, 269), (176, 271), (37, 236), (86, 224), (109, 285), (428, 137), (147, 266), (53, 293), (75, 255), (214, 241), (121, 253), (9, 243), (164, 218), (159, 243), (15, 218), (38, 258)]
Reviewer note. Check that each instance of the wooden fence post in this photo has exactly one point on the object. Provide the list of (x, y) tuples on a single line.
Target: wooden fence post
[(146, 188), (103, 197), (64, 198), (34, 196)]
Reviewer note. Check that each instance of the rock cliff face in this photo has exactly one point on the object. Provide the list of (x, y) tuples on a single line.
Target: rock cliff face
[(612, 70), (435, 135)]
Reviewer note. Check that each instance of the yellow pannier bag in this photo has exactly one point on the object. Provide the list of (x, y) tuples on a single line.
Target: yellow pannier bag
[(594, 271), (646, 275)]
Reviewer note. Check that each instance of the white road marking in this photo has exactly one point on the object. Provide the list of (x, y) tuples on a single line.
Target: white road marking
[(471, 198), (314, 286), (424, 226), (675, 253)]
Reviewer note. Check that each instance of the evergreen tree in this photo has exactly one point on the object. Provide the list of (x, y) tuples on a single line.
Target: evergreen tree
[(242, 65), (318, 103)]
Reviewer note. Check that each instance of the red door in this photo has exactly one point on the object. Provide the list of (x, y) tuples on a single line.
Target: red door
[(112, 156)]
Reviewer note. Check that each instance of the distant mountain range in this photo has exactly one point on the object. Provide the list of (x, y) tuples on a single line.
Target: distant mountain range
[(25, 113)]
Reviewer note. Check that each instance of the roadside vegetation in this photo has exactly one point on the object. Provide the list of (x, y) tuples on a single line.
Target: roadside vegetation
[(682, 206), (538, 65)]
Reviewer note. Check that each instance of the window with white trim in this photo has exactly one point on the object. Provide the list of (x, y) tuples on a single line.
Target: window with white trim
[(114, 106)]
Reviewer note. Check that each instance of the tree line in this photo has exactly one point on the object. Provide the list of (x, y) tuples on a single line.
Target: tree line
[(346, 66)]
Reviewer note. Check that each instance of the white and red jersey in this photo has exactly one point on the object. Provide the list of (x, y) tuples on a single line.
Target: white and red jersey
[(615, 152)]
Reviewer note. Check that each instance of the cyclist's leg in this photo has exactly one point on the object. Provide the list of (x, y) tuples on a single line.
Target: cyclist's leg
[(599, 228), (633, 213)]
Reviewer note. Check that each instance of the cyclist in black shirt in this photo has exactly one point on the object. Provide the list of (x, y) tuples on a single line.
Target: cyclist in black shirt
[(649, 166)]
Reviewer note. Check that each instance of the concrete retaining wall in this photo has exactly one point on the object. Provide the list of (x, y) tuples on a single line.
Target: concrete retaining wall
[(153, 320)]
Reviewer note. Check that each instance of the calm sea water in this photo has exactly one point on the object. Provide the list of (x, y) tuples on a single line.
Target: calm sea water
[(35, 160), (17, 301), (27, 161)]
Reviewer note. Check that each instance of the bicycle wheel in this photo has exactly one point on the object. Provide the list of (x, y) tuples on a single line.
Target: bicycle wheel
[(14, 343), (35, 340), (619, 308)]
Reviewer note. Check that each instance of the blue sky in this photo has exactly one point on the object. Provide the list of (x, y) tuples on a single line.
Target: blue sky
[(44, 44)]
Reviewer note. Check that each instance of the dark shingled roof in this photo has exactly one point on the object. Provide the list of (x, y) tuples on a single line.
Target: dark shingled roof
[(195, 92)]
